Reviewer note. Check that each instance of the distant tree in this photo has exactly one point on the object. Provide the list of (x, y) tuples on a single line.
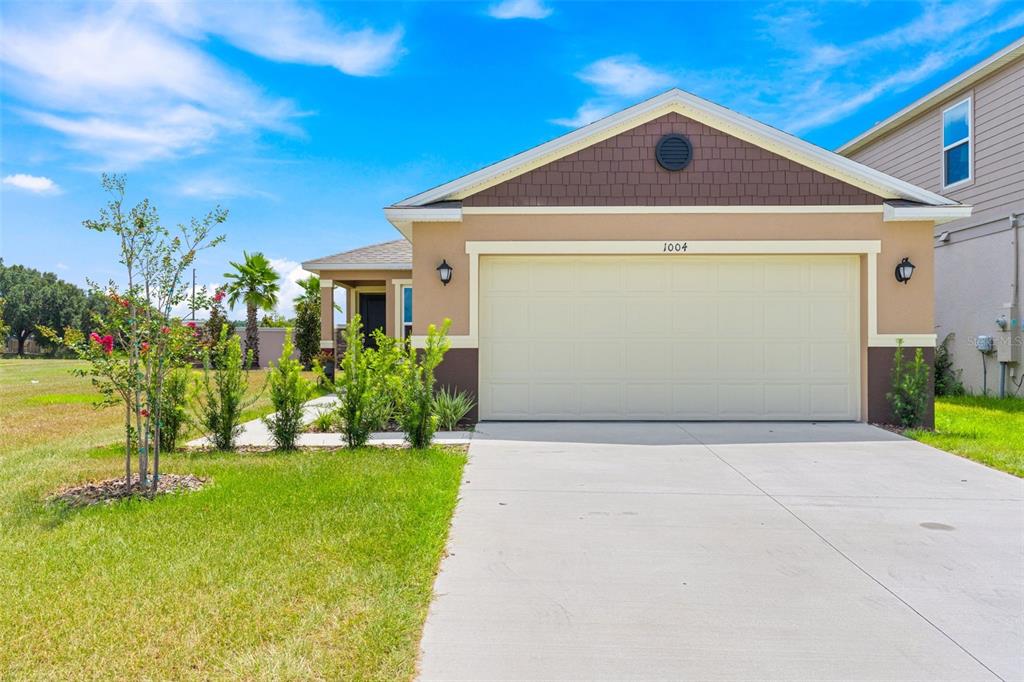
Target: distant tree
[(35, 299), (254, 282), (4, 329), (274, 319), (307, 320)]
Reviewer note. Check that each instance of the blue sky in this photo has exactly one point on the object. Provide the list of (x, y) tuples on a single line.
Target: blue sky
[(304, 120)]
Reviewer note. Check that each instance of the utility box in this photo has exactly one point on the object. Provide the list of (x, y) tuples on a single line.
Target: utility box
[(1009, 340), (984, 343)]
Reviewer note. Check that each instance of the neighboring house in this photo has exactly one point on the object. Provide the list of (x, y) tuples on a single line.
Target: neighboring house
[(675, 260), (966, 141)]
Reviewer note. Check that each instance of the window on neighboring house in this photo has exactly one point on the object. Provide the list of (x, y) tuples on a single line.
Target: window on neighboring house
[(956, 143), (406, 311)]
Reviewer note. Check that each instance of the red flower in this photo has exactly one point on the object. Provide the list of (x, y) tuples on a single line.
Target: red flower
[(219, 296), (165, 330), (145, 346), (190, 324), (106, 342), (144, 412)]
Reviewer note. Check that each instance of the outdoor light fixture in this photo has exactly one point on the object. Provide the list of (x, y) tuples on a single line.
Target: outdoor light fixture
[(444, 271), (904, 271)]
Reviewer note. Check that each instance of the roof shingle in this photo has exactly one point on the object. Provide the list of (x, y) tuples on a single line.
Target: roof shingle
[(394, 255)]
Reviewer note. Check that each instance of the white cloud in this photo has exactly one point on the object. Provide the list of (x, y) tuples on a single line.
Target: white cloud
[(826, 82), (587, 113), (210, 186), (36, 184), (625, 76), (520, 9), (131, 82), (291, 272), (619, 79), (287, 32)]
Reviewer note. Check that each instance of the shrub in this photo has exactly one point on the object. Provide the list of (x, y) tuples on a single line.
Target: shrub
[(289, 392), (357, 404), (384, 363), (173, 412), (451, 407), (219, 396), (947, 378), (415, 387), (324, 421), (909, 394)]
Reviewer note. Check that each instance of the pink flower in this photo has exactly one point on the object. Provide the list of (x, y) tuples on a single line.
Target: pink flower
[(219, 296), (145, 346), (165, 330), (105, 342), (190, 324)]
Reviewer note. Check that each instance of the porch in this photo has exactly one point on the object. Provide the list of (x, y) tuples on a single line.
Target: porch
[(375, 282)]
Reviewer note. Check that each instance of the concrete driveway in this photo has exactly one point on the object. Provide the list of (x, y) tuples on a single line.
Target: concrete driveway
[(727, 551)]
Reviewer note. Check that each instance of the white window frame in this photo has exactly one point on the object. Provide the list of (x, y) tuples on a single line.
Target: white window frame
[(969, 140), (403, 330)]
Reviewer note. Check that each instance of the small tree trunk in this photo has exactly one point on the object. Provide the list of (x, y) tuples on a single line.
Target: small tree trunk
[(127, 447), (252, 336), (21, 345)]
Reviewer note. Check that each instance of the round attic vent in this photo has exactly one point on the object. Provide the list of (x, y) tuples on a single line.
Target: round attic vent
[(673, 152)]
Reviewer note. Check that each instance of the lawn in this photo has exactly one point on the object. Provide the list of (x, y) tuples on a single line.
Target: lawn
[(286, 566), (987, 430)]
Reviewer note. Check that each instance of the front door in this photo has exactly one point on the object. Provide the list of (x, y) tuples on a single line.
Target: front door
[(373, 311)]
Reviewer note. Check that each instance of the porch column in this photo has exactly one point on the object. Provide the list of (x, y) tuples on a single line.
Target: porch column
[(327, 314)]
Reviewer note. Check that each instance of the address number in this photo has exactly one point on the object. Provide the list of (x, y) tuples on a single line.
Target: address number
[(674, 247)]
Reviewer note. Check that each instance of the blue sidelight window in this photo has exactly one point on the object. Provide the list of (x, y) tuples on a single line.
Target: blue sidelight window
[(956, 143), (407, 310)]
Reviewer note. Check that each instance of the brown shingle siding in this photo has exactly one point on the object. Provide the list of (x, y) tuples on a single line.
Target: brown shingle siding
[(622, 170)]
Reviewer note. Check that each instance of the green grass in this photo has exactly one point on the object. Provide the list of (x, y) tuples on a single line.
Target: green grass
[(987, 430), (286, 566)]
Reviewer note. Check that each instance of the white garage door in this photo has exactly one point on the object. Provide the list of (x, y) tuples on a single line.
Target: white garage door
[(676, 337)]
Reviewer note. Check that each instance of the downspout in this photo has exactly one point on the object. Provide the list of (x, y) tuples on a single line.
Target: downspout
[(1014, 312)]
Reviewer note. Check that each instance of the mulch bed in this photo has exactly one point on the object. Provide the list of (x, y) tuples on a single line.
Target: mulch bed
[(113, 489)]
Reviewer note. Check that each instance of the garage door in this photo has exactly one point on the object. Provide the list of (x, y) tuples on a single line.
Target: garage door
[(677, 337)]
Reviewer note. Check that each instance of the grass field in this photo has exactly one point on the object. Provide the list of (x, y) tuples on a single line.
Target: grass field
[(987, 430), (286, 566)]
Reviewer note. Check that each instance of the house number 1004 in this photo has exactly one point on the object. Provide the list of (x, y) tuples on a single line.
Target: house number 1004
[(674, 247)]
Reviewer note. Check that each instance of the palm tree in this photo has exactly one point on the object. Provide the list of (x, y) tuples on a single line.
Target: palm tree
[(254, 282), (310, 290)]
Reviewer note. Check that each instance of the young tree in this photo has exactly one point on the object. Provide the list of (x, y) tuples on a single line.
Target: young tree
[(139, 320), (254, 282), (307, 320)]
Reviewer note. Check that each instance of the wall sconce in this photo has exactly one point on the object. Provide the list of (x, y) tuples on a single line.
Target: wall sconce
[(444, 271), (904, 271)]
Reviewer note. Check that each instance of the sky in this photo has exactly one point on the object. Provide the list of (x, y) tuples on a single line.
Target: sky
[(305, 120)]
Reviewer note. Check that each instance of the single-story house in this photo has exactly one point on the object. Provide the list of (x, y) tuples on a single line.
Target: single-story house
[(675, 260)]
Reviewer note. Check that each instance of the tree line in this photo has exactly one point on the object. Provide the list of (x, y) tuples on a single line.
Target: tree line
[(31, 300)]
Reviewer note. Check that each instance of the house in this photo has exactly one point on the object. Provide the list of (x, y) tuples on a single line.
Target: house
[(675, 260), (966, 140)]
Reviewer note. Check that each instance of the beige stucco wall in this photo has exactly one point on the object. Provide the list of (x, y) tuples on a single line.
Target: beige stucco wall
[(907, 309)]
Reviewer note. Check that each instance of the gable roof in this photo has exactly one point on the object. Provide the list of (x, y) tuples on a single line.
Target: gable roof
[(394, 255), (696, 108), (1008, 54)]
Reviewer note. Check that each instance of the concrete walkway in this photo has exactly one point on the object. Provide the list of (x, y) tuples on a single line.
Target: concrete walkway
[(725, 552), (256, 434)]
